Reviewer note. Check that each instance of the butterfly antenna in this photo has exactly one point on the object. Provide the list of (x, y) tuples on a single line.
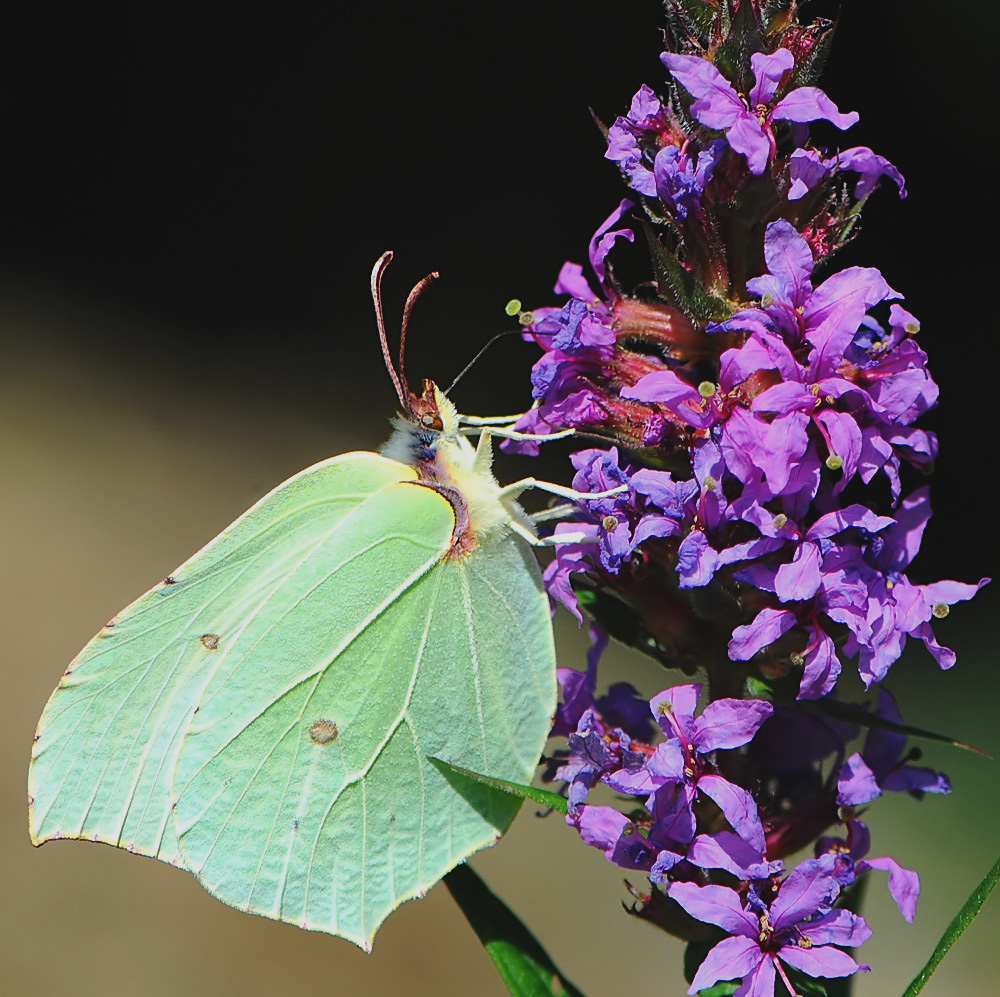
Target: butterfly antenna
[(402, 392), (411, 300), (465, 370)]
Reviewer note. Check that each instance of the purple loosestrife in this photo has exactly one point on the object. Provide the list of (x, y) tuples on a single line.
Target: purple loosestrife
[(791, 924), (761, 410)]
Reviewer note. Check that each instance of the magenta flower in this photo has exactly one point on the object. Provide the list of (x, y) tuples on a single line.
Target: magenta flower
[(798, 927), (681, 765), (746, 120), (807, 169)]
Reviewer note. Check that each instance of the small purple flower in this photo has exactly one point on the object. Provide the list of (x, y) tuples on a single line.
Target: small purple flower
[(644, 121), (747, 120), (798, 927), (680, 176), (594, 751), (680, 760), (807, 169)]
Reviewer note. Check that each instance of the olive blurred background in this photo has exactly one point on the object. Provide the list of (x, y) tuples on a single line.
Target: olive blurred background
[(192, 202)]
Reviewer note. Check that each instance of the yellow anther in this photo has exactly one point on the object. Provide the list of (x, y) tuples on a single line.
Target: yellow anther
[(941, 610), (834, 462), (707, 389), (513, 307)]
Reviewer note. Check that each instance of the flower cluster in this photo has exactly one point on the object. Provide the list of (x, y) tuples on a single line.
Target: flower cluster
[(760, 419)]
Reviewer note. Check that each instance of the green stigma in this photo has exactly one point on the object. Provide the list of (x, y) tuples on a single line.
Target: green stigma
[(834, 462), (513, 307)]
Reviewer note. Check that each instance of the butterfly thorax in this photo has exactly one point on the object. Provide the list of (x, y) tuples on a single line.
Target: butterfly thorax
[(430, 441)]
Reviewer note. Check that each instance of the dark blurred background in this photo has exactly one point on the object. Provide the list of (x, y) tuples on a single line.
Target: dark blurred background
[(192, 202)]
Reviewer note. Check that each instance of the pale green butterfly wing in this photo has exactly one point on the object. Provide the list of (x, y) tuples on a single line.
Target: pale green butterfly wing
[(108, 741), (265, 719)]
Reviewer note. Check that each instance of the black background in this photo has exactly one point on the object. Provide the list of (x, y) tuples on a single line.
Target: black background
[(232, 173)]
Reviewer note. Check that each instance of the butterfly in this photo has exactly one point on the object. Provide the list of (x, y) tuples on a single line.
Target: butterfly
[(265, 717)]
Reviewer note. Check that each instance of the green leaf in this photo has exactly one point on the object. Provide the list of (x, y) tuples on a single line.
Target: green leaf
[(520, 960), (851, 713), (456, 775), (954, 931)]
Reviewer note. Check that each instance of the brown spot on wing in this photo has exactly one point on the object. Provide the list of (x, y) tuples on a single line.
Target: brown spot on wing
[(324, 731), (210, 641)]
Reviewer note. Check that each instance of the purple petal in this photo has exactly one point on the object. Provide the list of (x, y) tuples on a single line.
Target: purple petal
[(697, 560), (790, 259), (677, 704), (665, 861), (768, 71), (838, 927), (857, 783), (811, 104), (768, 625), (603, 240), (747, 136), (729, 723), (904, 884), (821, 961), (739, 808), (835, 310), (841, 519), (665, 387), (571, 281), (916, 779), (806, 169), (871, 166), (760, 983), (600, 827), (716, 905), (822, 668), (672, 809), (843, 440), (730, 852), (800, 578), (809, 886), (717, 104), (734, 958), (569, 558), (788, 396)]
